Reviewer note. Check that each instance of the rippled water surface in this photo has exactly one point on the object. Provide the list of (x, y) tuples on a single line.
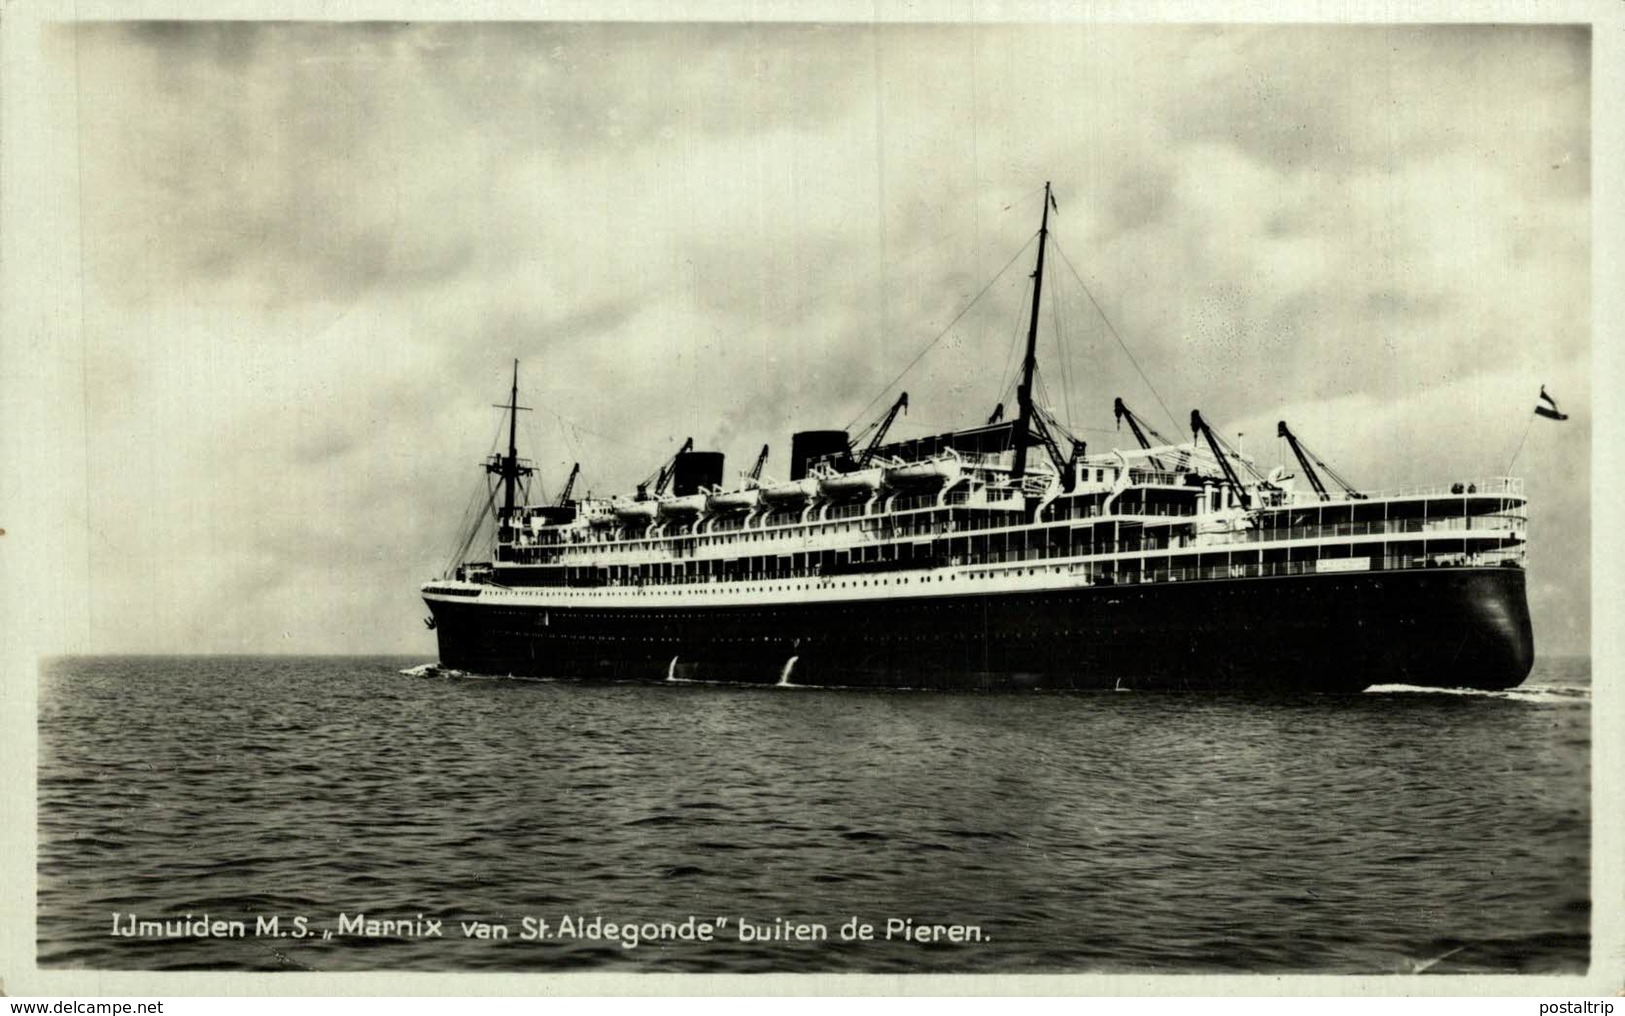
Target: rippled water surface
[(1393, 831)]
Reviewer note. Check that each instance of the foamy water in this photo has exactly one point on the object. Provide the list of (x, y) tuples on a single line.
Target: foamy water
[(1523, 693)]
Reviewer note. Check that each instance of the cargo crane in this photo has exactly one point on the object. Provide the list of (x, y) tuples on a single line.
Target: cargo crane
[(901, 405), (1221, 454), (663, 478), (1042, 421), (669, 470), (1308, 460), (570, 485), (761, 460), (1140, 428)]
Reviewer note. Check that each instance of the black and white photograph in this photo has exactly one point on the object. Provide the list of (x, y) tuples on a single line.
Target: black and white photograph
[(886, 493)]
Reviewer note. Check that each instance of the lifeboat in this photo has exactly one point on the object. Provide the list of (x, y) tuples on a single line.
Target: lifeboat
[(943, 469), (734, 500), (860, 481), (789, 492), (635, 511), (681, 507)]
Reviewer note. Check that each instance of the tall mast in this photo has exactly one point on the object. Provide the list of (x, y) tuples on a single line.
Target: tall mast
[(1024, 392), (508, 466)]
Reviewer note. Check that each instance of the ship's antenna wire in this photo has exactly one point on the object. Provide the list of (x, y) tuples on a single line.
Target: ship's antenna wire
[(567, 431), (1521, 440), (470, 523), (1113, 329), (474, 530), (929, 245), (1007, 394), (464, 521), (582, 429), (533, 434), (930, 345), (1060, 353), (536, 483), (1008, 377)]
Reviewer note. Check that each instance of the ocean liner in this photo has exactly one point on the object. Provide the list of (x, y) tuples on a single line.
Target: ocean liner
[(1005, 555)]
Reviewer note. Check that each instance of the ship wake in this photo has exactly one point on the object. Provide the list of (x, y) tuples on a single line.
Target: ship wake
[(1543, 693)]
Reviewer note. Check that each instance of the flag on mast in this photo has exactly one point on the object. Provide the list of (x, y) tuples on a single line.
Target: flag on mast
[(1549, 410)]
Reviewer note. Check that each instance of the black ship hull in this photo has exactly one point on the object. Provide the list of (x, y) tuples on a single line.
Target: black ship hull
[(1436, 627)]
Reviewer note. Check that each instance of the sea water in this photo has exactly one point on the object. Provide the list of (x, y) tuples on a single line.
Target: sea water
[(281, 813)]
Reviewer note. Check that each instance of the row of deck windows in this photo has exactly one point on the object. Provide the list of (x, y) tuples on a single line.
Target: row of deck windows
[(901, 544), (869, 564), (1123, 573)]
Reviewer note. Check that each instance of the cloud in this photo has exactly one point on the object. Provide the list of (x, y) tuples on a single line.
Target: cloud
[(313, 250)]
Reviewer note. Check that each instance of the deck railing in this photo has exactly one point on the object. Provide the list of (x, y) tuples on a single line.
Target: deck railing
[(1138, 475), (910, 502), (1155, 539), (1455, 523), (1136, 571), (1512, 486)]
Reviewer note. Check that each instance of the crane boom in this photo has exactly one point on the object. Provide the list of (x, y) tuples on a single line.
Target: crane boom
[(761, 460), (1281, 430), (1199, 427), (1047, 438), (570, 484), (880, 431), (1135, 425), (669, 470), (1308, 460)]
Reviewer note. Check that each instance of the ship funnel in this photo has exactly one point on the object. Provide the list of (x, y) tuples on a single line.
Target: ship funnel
[(693, 470), (809, 446)]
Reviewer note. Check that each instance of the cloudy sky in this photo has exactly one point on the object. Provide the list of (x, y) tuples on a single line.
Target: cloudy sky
[(309, 253)]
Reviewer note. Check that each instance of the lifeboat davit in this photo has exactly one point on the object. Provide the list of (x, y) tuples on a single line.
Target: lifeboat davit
[(734, 500), (859, 481)]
